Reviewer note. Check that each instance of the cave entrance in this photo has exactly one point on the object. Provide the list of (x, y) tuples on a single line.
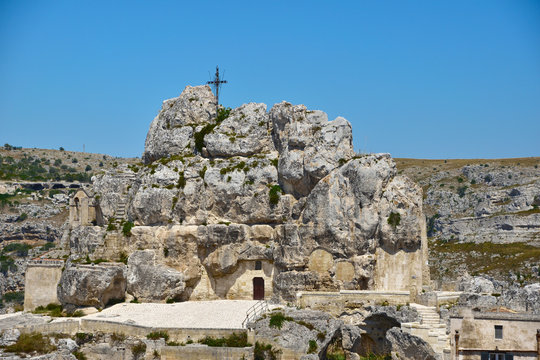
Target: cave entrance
[(258, 288)]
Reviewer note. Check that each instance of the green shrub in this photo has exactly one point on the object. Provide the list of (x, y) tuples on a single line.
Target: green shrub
[(461, 191), (88, 168), (181, 180), (48, 246), (277, 319), (6, 264), (222, 114), (117, 337), (274, 194), (83, 338), (20, 249), (54, 310), (138, 349), (394, 219), (155, 335), (233, 340), (202, 172), (22, 217), (126, 229), (312, 347), (14, 297), (29, 343)]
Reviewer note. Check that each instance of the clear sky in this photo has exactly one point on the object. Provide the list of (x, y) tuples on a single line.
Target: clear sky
[(424, 79)]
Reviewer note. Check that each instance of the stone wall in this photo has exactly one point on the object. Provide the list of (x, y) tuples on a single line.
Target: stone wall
[(328, 301), (41, 282), (73, 326), (205, 353)]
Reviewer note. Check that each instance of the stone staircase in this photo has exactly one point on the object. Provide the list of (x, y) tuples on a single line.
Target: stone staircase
[(430, 329), (120, 213)]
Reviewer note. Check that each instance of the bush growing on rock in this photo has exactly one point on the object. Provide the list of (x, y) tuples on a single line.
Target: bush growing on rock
[(126, 228), (155, 335), (394, 219), (30, 343), (274, 194)]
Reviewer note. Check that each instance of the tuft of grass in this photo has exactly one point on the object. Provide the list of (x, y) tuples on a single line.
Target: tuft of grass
[(394, 219), (274, 194), (233, 340), (155, 335), (31, 343), (126, 228), (138, 349), (278, 318), (312, 347)]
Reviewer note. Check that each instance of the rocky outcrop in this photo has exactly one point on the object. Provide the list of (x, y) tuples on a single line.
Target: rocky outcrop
[(92, 285), (409, 347), (147, 281), (217, 194), (485, 293), (172, 130), (310, 146)]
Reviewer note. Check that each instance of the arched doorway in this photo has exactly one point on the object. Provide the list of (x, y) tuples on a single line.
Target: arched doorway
[(258, 288)]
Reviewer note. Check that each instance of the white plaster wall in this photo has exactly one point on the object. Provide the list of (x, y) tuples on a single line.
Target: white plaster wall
[(40, 285), (398, 271)]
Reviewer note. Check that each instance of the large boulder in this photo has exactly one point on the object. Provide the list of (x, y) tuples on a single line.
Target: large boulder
[(406, 346), (148, 281), (92, 285), (172, 130), (245, 132), (310, 146)]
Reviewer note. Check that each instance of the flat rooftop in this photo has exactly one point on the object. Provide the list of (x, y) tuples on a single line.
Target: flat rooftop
[(217, 314)]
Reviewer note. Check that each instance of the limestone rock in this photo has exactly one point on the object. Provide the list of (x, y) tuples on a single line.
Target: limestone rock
[(172, 130), (409, 347), (148, 281), (309, 146), (9, 337), (92, 285), (295, 335), (245, 132)]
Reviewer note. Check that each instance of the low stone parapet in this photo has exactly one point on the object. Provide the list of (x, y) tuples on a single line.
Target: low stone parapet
[(351, 298), (203, 352)]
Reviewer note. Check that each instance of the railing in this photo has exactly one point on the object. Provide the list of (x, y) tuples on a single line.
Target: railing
[(254, 312)]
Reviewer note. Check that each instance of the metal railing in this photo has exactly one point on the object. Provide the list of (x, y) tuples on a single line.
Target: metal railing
[(254, 312)]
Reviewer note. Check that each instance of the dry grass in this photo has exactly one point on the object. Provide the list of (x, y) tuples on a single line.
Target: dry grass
[(486, 257)]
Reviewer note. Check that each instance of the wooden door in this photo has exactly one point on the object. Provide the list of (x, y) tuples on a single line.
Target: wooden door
[(258, 288)]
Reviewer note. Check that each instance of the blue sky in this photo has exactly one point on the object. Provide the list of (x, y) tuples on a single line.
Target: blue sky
[(423, 79)]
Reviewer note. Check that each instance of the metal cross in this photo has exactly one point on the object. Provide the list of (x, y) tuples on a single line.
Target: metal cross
[(216, 83)]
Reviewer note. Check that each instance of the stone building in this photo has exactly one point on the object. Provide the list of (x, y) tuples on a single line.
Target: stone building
[(84, 210), (495, 336)]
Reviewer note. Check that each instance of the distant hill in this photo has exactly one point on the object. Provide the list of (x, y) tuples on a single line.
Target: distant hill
[(483, 215)]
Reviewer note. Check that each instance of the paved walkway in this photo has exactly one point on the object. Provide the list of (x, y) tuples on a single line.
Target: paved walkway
[(218, 314)]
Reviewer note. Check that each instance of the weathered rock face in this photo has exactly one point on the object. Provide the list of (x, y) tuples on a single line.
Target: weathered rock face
[(172, 130), (409, 347), (89, 285), (485, 293), (150, 282), (309, 146), (278, 196)]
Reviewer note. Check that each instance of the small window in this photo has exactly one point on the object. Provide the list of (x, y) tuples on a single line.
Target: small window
[(498, 332), (258, 265)]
